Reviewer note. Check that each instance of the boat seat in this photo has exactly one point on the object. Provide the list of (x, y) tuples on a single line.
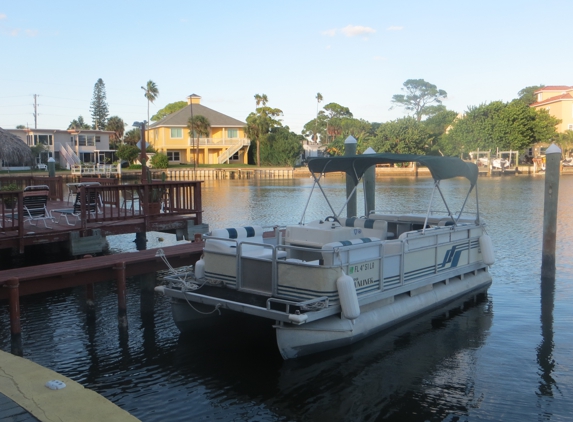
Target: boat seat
[(369, 227), (252, 234), (352, 250)]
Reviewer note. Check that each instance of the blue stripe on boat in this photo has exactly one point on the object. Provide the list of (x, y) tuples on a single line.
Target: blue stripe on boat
[(369, 223), (232, 233), (250, 231), (345, 242), (350, 222)]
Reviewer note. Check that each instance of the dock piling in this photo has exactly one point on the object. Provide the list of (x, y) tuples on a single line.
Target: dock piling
[(553, 154), (15, 329)]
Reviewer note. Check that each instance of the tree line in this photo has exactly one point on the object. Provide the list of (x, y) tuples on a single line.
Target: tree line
[(429, 127)]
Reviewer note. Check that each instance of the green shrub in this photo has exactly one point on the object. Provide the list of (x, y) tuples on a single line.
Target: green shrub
[(160, 161)]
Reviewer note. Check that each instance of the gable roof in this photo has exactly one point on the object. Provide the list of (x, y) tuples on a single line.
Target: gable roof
[(565, 96), (181, 117), (554, 88)]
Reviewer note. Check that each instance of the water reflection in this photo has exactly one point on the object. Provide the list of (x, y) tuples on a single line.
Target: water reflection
[(374, 379), (545, 358)]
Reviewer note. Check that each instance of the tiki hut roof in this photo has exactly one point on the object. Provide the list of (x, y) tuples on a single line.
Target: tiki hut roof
[(14, 150)]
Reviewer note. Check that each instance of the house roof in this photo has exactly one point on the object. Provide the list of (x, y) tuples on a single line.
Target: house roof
[(565, 96), (181, 117), (554, 88)]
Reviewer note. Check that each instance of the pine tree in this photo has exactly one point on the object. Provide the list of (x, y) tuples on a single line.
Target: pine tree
[(98, 106)]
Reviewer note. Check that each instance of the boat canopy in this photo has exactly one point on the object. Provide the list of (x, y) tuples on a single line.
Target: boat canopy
[(355, 165)]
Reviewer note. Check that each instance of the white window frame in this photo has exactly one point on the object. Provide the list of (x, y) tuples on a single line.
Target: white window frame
[(180, 129), (173, 156)]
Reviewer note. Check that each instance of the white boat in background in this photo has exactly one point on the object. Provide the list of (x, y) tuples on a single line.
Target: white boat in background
[(330, 282), (500, 163)]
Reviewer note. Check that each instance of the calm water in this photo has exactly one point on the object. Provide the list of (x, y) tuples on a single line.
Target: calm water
[(506, 358)]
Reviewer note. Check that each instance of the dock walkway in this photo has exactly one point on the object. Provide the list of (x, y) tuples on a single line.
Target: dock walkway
[(24, 396)]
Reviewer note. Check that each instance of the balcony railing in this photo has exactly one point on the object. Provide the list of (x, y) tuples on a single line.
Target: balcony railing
[(223, 142)]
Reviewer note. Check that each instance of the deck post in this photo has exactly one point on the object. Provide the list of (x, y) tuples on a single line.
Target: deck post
[(119, 269), (553, 154), (15, 329)]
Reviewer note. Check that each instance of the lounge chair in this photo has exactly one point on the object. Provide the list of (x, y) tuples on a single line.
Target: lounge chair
[(35, 201), (93, 202)]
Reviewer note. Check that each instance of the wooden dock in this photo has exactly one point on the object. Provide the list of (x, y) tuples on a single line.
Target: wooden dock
[(120, 209), (19, 282), (61, 275)]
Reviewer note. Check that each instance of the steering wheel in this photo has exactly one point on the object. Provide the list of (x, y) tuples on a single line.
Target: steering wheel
[(332, 218)]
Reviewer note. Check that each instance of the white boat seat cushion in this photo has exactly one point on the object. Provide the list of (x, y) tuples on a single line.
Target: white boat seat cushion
[(368, 226), (237, 235)]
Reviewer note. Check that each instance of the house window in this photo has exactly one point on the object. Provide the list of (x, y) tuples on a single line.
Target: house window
[(235, 156), (569, 127), (98, 138), (91, 140), (173, 156), (43, 139), (232, 133), (176, 132)]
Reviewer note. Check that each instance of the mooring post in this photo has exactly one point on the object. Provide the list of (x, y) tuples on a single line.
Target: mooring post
[(553, 155), (119, 269), (350, 149), (15, 330), (141, 241)]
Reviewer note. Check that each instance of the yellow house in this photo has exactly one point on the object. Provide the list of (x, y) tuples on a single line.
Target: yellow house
[(558, 101), (225, 143)]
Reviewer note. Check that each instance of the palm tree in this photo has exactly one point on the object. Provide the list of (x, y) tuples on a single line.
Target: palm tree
[(318, 100), (261, 99), (201, 126), (79, 124), (260, 129), (116, 125), (151, 93)]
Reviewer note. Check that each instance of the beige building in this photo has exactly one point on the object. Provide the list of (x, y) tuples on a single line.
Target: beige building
[(558, 101), (226, 141), (69, 147)]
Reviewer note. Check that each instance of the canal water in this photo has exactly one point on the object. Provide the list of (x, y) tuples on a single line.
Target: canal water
[(508, 357)]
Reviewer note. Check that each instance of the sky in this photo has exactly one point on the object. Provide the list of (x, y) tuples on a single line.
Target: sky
[(357, 54)]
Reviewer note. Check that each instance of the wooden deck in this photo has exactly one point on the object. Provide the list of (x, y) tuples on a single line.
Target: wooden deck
[(121, 209)]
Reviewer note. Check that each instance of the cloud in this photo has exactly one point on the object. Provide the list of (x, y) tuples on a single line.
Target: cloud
[(353, 31), (14, 32), (31, 32), (329, 32), (3, 16), (394, 28)]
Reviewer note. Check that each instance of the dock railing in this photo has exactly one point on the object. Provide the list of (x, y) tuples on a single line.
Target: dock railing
[(123, 202), (56, 184)]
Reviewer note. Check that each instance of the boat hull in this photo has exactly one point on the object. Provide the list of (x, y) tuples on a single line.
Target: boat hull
[(336, 331)]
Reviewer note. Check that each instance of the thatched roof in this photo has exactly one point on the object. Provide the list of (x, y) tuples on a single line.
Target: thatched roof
[(13, 150)]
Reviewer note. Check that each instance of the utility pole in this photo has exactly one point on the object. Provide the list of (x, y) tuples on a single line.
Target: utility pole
[(36, 111)]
